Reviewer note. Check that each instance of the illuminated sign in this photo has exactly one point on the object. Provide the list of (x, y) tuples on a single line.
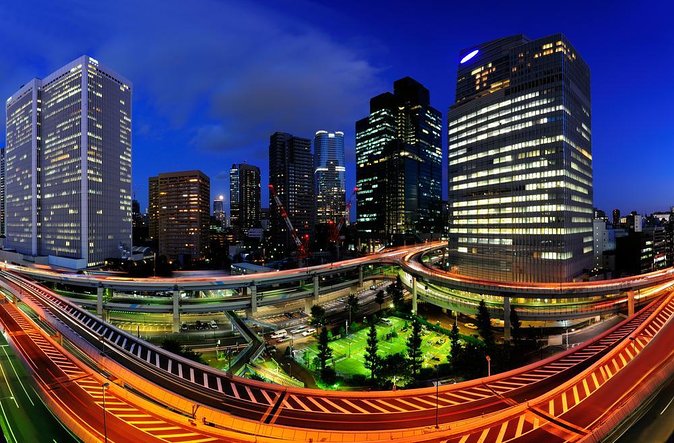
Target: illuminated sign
[(469, 56)]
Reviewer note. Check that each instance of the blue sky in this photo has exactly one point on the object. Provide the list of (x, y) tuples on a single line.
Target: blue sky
[(213, 79)]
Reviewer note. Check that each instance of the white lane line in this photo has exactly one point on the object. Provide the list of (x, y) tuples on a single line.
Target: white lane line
[(670, 402), (355, 406), (17, 377), (8, 385), (11, 431)]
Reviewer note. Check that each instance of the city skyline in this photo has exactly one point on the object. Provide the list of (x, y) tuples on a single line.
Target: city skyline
[(369, 58)]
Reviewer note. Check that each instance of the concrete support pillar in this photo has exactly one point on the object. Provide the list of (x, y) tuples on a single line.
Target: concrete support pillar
[(106, 315), (99, 301), (414, 295), (316, 287), (506, 318), (253, 299), (630, 303), (360, 276), (176, 311), (308, 304)]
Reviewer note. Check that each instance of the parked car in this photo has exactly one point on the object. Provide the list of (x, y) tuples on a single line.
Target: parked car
[(308, 332), (279, 333), (213, 324), (184, 327), (470, 325)]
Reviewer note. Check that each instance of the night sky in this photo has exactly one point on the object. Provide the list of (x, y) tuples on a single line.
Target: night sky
[(213, 79)]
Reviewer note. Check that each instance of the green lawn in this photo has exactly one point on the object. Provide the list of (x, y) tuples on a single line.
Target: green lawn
[(357, 342)]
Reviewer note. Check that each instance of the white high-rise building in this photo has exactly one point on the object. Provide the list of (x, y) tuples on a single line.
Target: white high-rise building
[(68, 166)]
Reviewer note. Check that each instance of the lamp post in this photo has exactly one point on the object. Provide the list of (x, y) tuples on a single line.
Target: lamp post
[(104, 387), (437, 388), (217, 350), (488, 358)]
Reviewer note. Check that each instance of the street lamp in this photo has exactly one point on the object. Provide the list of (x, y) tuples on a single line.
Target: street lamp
[(437, 388), (217, 350), (488, 358), (104, 387)]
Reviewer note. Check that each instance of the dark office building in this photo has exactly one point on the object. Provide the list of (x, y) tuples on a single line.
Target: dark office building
[(244, 197), (520, 162), (180, 214), (399, 165), (292, 176)]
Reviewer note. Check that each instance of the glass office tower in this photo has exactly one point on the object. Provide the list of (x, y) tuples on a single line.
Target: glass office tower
[(329, 176), (244, 197), (69, 166), (399, 165), (520, 162)]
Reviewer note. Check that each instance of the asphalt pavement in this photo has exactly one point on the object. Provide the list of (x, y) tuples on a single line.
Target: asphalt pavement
[(24, 417), (656, 425)]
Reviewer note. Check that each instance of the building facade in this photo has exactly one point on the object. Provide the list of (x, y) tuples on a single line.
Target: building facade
[(399, 165), (68, 163), (329, 169), (292, 176), (181, 217), (219, 210), (244, 197), (520, 162)]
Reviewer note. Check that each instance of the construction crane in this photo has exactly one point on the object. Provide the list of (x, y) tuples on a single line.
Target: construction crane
[(301, 244)]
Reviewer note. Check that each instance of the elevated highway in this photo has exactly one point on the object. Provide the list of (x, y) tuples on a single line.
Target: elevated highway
[(534, 301), (534, 403)]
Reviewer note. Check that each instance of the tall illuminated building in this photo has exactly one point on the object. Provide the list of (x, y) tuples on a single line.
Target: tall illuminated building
[(399, 164), (219, 209), (68, 163), (244, 196), (181, 216), (329, 181), (291, 173), (520, 161), (2, 191)]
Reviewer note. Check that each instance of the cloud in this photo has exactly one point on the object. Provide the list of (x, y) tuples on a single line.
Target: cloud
[(248, 70)]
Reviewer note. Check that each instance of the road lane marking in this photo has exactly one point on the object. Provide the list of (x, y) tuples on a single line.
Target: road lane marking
[(421, 408), (586, 387), (576, 397), (355, 406), (520, 425), (11, 431), (8, 385), (483, 436), (369, 403), (565, 407), (335, 405), (670, 402), (17, 377), (501, 432), (551, 407)]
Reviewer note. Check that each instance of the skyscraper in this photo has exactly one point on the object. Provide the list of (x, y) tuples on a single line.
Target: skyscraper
[(181, 216), (244, 197), (68, 163), (520, 161), (2, 191), (399, 164), (291, 174), (329, 181), (219, 209)]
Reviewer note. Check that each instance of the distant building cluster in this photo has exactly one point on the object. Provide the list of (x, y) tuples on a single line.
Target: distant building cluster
[(520, 194)]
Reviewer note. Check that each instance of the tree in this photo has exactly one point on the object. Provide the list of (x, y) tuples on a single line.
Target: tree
[(484, 325), (393, 367), (396, 292), (324, 351), (371, 357), (456, 347), (352, 303), (317, 315), (515, 325), (414, 348), (379, 298)]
